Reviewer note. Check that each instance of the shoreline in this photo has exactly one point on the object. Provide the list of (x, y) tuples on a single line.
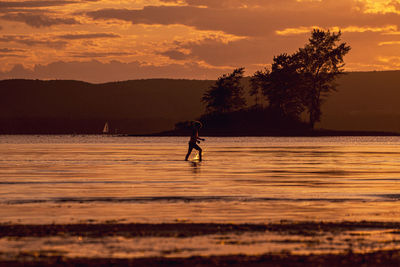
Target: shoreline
[(328, 133), (186, 229), (306, 133), (380, 258), (315, 134), (233, 133)]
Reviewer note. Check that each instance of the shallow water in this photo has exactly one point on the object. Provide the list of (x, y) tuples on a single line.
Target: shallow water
[(67, 179)]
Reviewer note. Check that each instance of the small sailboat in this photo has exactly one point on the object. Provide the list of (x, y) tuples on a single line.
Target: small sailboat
[(106, 129)]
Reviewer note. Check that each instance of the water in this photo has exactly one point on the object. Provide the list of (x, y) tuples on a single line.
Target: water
[(69, 179)]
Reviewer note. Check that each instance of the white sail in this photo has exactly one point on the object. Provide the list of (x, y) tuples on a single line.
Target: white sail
[(106, 128)]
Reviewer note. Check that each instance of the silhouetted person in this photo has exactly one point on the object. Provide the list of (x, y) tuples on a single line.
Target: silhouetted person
[(194, 139)]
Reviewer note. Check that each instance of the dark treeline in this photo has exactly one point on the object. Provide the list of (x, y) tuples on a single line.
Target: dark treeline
[(294, 86)]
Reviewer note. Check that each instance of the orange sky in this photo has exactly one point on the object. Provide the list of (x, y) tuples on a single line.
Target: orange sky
[(107, 40)]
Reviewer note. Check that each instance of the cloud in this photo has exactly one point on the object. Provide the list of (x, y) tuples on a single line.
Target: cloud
[(247, 52), (381, 6), (12, 50), (393, 60), (215, 4), (3, 55), (25, 10), (389, 43), (366, 6), (262, 21), (37, 21), (233, 4), (200, 18), (88, 36), (301, 30), (24, 4), (95, 71), (98, 54), (294, 31), (175, 54), (32, 41)]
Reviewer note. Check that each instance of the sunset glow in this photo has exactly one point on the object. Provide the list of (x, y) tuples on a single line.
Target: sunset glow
[(184, 38)]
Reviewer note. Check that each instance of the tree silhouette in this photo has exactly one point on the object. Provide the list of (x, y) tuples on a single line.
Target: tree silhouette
[(226, 95), (281, 86), (320, 62), (301, 81), (257, 82)]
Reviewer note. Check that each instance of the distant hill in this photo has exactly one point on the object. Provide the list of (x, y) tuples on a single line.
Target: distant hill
[(364, 101), (59, 106), (367, 101)]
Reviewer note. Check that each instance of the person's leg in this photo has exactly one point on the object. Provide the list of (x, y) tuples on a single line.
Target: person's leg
[(198, 149), (189, 151)]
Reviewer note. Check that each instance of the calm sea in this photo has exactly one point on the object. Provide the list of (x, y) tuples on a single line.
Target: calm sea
[(67, 179)]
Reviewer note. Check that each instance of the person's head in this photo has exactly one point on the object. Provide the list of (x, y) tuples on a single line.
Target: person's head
[(196, 125)]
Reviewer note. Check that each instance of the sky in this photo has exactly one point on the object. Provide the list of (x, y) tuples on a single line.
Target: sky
[(107, 40)]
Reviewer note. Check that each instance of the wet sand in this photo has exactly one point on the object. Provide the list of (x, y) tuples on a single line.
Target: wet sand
[(185, 229), (369, 255), (382, 258)]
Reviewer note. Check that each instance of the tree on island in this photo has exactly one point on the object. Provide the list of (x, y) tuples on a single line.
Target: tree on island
[(320, 62), (303, 80), (257, 83), (227, 94), (281, 86)]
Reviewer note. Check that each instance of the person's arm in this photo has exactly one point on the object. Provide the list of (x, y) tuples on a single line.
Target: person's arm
[(198, 138)]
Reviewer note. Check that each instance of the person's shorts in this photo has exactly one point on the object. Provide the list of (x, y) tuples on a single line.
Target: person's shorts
[(194, 145)]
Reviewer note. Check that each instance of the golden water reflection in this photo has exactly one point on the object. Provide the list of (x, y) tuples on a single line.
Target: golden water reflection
[(60, 179)]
